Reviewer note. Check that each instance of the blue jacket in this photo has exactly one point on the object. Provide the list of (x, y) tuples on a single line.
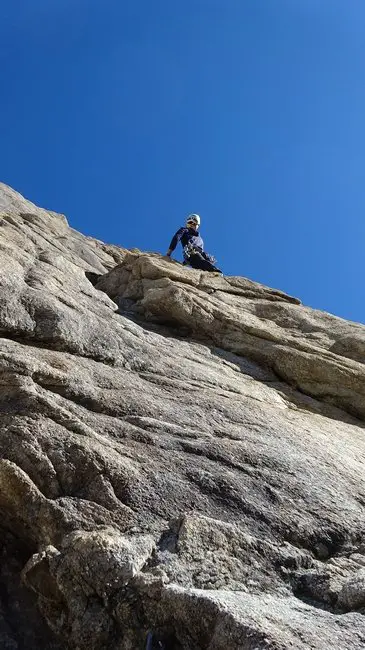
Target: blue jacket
[(186, 236)]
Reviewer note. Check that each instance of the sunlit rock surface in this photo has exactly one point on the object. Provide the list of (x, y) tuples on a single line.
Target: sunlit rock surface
[(181, 454)]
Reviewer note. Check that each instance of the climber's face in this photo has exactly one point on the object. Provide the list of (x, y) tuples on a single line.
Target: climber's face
[(192, 224)]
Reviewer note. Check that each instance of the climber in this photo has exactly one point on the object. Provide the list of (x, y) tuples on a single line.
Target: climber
[(193, 246)]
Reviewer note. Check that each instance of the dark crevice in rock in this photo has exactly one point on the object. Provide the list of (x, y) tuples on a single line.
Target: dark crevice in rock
[(168, 540), (331, 542), (170, 329), (326, 544), (163, 639), (25, 628), (314, 589), (304, 594), (93, 277)]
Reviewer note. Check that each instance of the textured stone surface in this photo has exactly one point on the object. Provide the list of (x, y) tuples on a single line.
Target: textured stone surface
[(318, 353), (180, 454)]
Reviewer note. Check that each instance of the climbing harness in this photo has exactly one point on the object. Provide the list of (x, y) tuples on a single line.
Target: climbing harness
[(190, 250)]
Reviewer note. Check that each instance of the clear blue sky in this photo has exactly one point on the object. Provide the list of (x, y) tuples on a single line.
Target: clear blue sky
[(128, 114)]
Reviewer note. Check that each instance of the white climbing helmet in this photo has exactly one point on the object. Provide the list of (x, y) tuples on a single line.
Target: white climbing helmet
[(193, 219)]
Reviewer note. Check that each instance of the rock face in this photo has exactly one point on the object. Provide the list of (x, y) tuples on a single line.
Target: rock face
[(181, 454)]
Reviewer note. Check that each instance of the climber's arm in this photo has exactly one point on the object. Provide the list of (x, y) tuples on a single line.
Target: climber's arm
[(175, 240)]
